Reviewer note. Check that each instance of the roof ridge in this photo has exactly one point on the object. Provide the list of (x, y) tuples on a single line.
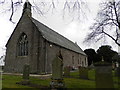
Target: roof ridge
[(55, 31), (60, 38)]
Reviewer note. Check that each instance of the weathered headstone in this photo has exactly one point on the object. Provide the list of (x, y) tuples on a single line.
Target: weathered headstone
[(103, 75), (117, 74), (26, 72), (67, 71), (57, 73), (0, 78), (83, 72), (25, 77)]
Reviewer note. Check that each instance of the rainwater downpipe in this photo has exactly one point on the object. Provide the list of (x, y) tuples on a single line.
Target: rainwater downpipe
[(45, 57)]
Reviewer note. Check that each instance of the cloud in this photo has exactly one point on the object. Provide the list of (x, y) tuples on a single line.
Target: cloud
[(6, 29)]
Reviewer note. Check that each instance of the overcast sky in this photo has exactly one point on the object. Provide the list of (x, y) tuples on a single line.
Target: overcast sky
[(75, 30)]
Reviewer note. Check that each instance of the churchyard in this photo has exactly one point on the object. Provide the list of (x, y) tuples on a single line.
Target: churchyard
[(101, 76), (73, 81)]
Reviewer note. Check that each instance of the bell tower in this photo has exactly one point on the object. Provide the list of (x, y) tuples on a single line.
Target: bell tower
[(27, 8)]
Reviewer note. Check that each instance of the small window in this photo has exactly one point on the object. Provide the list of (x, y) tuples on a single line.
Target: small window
[(23, 45), (72, 59), (82, 64), (85, 61), (78, 61)]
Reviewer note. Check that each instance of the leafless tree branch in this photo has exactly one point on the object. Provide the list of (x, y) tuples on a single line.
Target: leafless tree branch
[(42, 7), (107, 20)]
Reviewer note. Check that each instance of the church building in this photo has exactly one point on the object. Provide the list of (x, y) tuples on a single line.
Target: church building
[(36, 44)]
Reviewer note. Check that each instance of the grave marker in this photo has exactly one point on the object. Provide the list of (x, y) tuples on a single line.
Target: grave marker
[(26, 72), (25, 77), (83, 72), (103, 75), (117, 74), (0, 78), (67, 71), (57, 73)]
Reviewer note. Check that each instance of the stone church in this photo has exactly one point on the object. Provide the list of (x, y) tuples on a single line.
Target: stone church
[(36, 44)]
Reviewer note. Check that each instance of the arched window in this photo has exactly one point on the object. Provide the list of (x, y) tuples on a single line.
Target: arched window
[(23, 45)]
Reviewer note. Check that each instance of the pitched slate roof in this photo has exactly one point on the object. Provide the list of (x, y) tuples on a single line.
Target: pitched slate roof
[(56, 38)]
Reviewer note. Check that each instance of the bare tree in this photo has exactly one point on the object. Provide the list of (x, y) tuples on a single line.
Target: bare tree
[(43, 6), (107, 22)]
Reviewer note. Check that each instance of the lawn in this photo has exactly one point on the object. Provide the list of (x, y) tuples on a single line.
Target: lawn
[(9, 81)]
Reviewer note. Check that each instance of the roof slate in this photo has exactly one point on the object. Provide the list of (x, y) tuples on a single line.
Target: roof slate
[(54, 37)]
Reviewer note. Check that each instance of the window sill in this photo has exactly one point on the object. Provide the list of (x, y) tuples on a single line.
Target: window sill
[(22, 56)]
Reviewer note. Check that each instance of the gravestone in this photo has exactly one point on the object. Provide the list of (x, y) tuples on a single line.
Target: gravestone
[(117, 74), (67, 71), (83, 72), (26, 72), (0, 78), (57, 73), (103, 75)]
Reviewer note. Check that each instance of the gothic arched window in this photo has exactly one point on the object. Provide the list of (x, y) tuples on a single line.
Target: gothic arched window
[(23, 45)]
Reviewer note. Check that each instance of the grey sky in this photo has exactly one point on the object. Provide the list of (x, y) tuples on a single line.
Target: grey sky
[(74, 30)]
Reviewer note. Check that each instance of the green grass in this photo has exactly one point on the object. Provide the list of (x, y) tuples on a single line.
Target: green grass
[(91, 74), (78, 83), (43, 82), (88, 83), (9, 81)]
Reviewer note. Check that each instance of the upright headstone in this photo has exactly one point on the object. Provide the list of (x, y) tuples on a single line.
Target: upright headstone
[(57, 73), (26, 72), (25, 77), (0, 78), (117, 74), (117, 71), (103, 75), (67, 71), (83, 72)]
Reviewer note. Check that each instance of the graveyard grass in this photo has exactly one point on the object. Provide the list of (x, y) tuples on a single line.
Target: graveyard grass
[(9, 81)]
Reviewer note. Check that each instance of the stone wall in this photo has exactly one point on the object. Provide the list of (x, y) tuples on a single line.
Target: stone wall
[(67, 55), (40, 52), (13, 62)]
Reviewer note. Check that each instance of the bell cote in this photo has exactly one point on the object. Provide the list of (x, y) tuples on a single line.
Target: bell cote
[(27, 8)]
